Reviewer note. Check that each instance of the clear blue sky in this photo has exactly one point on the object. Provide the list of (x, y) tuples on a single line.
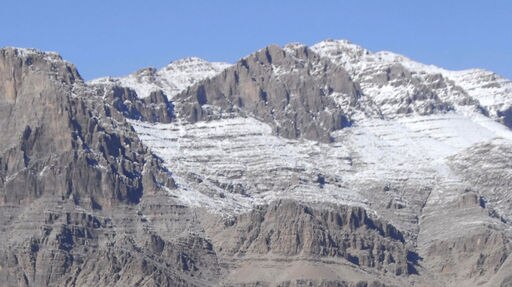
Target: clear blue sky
[(112, 37)]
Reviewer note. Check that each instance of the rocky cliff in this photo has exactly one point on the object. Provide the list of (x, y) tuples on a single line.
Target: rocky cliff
[(291, 89), (327, 165), (78, 189)]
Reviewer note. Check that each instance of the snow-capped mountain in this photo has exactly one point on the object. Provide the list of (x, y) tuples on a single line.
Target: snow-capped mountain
[(398, 158), (171, 79), (418, 119), (328, 165), (391, 79)]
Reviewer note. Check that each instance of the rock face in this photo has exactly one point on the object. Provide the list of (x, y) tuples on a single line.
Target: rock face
[(144, 95), (397, 86), (78, 188), (153, 108), (291, 89), (69, 144), (296, 166), (286, 228), (171, 79)]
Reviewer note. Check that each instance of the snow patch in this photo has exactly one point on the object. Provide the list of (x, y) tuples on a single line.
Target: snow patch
[(231, 165), (172, 79)]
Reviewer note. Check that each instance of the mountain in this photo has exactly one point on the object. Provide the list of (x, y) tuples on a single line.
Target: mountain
[(171, 79), (384, 73), (77, 186), (328, 165)]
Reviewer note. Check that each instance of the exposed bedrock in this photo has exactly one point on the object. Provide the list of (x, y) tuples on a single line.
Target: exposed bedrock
[(290, 90)]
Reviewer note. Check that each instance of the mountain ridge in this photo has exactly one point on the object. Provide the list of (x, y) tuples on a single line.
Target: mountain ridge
[(492, 92), (327, 165), (172, 78)]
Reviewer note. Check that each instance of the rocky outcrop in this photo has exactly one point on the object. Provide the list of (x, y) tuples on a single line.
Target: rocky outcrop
[(82, 200), (53, 243), (335, 237), (462, 239), (72, 144), (398, 86), (291, 89), (153, 108), (505, 117), (288, 228), (171, 79), (487, 167), (189, 176)]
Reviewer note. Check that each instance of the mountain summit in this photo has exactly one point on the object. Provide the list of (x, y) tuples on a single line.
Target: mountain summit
[(171, 79), (328, 165)]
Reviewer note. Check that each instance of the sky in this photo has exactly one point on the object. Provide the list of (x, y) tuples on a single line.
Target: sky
[(114, 38)]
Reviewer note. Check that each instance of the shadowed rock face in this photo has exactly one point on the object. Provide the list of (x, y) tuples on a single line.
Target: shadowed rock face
[(505, 117), (154, 108), (290, 89)]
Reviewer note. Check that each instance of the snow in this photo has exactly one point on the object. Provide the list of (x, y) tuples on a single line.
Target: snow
[(491, 91), (230, 165), (172, 79), (52, 57), (405, 142), (340, 51), (292, 48), (242, 155), (488, 88)]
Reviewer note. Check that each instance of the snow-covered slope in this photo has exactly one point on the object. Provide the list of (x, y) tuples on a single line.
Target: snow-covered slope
[(394, 87), (389, 78), (392, 165), (428, 115), (231, 165), (172, 79), (237, 163), (393, 172), (492, 91)]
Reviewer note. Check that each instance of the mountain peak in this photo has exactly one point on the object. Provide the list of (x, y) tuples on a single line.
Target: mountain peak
[(188, 60), (46, 62), (171, 79), (392, 79), (357, 168), (294, 46), (342, 51), (31, 52), (193, 65)]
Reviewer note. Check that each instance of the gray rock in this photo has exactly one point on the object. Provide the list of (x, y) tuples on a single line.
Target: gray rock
[(82, 201), (289, 89)]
